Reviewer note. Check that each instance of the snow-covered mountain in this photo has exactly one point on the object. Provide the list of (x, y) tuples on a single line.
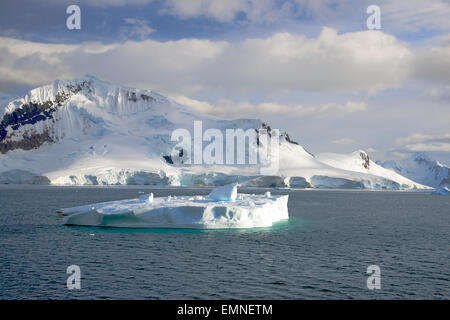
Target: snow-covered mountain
[(421, 168), (359, 161), (87, 131)]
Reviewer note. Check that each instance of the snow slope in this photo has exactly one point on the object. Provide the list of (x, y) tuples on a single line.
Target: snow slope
[(421, 168), (359, 161), (87, 131)]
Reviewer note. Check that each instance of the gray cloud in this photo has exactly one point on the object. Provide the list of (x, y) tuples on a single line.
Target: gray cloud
[(232, 109), (344, 141), (356, 61), (425, 142)]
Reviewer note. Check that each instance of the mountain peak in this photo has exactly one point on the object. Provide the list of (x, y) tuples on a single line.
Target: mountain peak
[(89, 81), (421, 156), (70, 108), (422, 168)]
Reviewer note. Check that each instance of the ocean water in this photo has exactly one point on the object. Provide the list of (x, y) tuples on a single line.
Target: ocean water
[(322, 252)]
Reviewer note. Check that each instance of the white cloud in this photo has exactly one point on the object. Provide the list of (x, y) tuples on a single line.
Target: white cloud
[(283, 62), (216, 9), (398, 15), (136, 28), (425, 142), (344, 141), (349, 107), (226, 11), (419, 147), (416, 15), (437, 93), (366, 60), (414, 138), (231, 109)]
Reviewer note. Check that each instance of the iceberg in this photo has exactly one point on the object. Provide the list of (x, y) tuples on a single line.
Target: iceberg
[(443, 190), (225, 193), (223, 208), (146, 198)]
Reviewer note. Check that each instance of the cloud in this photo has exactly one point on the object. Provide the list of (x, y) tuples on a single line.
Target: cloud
[(103, 3), (216, 9), (416, 15), (344, 141), (136, 28), (229, 109), (425, 142), (439, 94), (433, 63), (398, 15), (349, 107), (227, 11), (283, 62)]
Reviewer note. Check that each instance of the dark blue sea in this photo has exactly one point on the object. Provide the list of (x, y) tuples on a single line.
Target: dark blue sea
[(322, 252)]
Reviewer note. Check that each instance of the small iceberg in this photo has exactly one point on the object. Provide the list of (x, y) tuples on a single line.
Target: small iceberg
[(225, 193), (443, 190), (223, 208)]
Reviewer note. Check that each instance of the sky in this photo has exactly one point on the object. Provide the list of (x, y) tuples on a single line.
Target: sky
[(309, 67)]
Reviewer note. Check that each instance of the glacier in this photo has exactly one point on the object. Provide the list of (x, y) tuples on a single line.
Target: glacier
[(87, 131), (224, 208), (443, 190)]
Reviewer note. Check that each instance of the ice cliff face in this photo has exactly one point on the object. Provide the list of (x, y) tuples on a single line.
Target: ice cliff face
[(421, 168), (70, 110), (87, 131)]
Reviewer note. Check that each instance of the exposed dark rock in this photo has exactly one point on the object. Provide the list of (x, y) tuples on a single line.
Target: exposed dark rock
[(132, 96), (180, 159), (28, 113), (366, 160), (168, 159), (288, 139), (31, 113), (147, 98), (284, 134), (85, 85), (28, 142), (267, 128)]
